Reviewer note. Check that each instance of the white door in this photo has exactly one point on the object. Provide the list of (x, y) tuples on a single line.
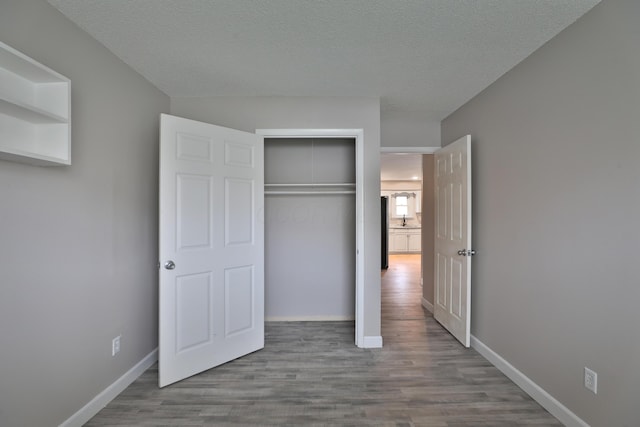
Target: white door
[(211, 246), (452, 307)]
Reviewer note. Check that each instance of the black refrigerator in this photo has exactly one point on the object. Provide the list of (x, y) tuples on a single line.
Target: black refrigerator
[(384, 231)]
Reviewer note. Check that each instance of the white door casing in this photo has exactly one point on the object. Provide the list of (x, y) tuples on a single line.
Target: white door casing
[(212, 230), (452, 290)]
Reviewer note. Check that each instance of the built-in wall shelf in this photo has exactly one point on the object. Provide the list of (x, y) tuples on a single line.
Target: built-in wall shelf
[(35, 111)]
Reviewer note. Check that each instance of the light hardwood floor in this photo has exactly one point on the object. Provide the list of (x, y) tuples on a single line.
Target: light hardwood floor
[(310, 373)]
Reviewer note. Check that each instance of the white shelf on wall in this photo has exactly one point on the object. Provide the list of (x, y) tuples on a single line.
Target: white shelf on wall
[(35, 111)]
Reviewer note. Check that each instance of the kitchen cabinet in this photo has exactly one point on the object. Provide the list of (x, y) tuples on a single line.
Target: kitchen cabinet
[(399, 241), (35, 111), (414, 241), (405, 240)]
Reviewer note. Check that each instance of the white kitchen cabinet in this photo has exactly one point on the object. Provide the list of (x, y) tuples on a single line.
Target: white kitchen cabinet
[(414, 243), (405, 240), (35, 107), (398, 241)]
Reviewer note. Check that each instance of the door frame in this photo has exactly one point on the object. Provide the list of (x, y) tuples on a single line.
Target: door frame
[(358, 135), (409, 150)]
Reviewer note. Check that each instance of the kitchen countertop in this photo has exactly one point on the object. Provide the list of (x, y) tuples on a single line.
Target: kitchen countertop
[(408, 227)]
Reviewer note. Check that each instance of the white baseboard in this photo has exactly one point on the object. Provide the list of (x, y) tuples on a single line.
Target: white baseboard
[(108, 394), (337, 318), (426, 304), (538, 394), (372, 342)]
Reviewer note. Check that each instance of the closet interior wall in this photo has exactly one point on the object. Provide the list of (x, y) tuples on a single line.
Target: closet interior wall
[(310, 265)]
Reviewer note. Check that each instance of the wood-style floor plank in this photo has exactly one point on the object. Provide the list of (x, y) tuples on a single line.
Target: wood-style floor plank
[(311, 374)]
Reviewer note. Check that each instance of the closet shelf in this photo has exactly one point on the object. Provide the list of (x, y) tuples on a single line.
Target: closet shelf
[(309, 193), (348, 184), (299, 189)]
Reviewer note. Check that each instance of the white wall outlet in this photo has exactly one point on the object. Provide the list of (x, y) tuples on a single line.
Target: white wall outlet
[(115, 345), (591, 380)]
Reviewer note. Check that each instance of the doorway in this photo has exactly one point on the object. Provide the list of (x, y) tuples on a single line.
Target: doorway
[(335, 188), (401, 189), (309, 229), (415, 161)]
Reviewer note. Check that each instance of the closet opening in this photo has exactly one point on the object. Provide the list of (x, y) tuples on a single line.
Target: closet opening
[(312, 205)]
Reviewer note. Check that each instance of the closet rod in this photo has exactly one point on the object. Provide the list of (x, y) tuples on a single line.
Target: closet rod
[(312, 185), (295, 193)]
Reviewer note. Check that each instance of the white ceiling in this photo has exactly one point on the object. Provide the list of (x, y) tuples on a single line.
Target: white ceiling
[(422, 58), (400, 167)]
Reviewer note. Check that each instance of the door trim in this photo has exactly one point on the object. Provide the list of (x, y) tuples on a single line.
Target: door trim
[(358, 135), (409, 150)]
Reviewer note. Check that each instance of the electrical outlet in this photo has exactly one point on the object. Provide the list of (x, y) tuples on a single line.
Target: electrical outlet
[(591, 380), (115, 345)]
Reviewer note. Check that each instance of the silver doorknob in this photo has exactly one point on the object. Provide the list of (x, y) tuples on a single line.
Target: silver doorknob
[(465, 252), (169, 265)]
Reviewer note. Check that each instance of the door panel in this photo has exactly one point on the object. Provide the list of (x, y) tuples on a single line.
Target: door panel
[(441, 281), (239, 300), (211, 229), (457, 288), (452, 289), (193, 202), (239, 195), (193, 308)]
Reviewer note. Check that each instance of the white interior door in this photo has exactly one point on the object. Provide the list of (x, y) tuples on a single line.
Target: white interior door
[(453, 250), (211, 246)]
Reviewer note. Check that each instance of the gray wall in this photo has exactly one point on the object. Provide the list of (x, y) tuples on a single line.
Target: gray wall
[(428, 226), (250, 113), (556, 210), (310, 239), (404, 129), (78, 244)]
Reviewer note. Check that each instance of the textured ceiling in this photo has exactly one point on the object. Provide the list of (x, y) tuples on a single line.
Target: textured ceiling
[(420, 57)]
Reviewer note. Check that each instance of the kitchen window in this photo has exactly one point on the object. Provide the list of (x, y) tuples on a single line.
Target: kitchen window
[(402, 206)]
